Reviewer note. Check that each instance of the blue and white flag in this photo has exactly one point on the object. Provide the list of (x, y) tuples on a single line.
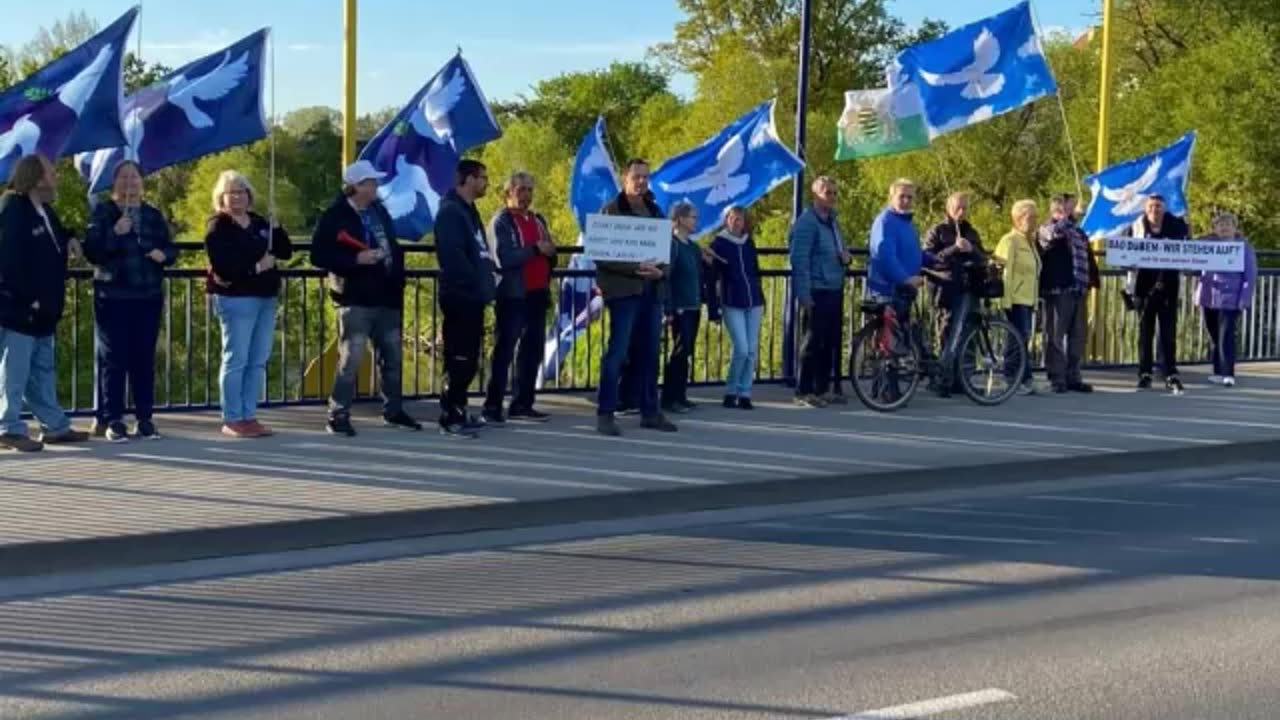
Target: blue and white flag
[(593, 184), (205, 106), (979, 71), (1120, 192), (70, 105), (419, 149), (736, 167)]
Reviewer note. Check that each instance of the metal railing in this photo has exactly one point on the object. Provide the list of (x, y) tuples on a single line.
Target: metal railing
[(189, 352)]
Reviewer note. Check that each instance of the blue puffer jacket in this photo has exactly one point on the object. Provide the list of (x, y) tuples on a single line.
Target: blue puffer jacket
[(815, 255), (896, 255)]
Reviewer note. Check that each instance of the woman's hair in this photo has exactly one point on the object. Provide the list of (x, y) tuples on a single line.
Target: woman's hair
[(681, 210), (120, 166), (1226, 216), (228, 180), (1021, 209), (736, 210), (27, 174), (900, 184)]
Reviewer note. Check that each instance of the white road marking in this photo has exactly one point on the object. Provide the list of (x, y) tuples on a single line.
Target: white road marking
[(1225, 541), (936, 706), (983, 513), (899, 534), (1108, 501)]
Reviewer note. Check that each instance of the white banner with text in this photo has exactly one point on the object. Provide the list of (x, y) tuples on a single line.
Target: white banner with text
[(1189, 255), (624, 238)]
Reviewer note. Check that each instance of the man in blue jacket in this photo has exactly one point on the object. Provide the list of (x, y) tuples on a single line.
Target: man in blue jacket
[(894, 246), (818, 262)]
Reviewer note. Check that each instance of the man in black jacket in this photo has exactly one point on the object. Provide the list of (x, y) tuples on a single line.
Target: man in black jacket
[(956, 245), (525, 255), (355, 241), (1067, 272), (34, 248), (466, 287), (1155, 297)]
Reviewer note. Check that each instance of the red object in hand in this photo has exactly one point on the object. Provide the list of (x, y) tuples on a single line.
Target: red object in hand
[(345, 238)]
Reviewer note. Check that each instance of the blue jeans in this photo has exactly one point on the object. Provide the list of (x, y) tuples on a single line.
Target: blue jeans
[(1221, 325), (632, 320), (1020, 316), (27, 372), (248, 325), (743, 326)]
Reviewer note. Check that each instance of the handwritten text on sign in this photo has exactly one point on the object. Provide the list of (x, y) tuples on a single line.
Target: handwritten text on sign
[(621, 238), (1191, 255)]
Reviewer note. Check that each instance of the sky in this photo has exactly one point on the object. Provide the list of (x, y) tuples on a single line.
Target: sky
[(510, 44)]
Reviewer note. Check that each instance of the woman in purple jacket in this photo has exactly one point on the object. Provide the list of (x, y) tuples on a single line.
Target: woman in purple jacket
[(1223, 295)]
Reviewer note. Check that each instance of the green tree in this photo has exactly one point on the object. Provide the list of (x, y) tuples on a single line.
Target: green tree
[(254, 162), (570, 103)]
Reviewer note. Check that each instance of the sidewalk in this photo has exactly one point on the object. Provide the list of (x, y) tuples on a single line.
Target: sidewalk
[(195, 479)]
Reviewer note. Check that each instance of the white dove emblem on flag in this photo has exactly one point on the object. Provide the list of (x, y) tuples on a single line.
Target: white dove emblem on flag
[(978, 80), (720, 179), (24, 134), (212, 86), (1130, 198), (431, 118), (400, 195)]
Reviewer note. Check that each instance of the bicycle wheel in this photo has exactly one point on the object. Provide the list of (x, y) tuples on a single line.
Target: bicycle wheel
[(883, 381), (992, 361)]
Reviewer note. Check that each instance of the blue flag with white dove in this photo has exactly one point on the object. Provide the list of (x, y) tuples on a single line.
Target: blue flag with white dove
[(979, 71), (736, 167), (593, 184), (205, 106), (1120, 192), (420, 148), (70, 105)]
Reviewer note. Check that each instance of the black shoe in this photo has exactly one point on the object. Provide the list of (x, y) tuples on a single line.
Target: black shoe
[(687, 405), (146, 430), (340, 425), (744, 403), (457, 430), (526, 415), (402, 420), (1080, 387), (1174, 385), (117, 433), (730, 401), (1144, 382), (475, 422), (21, 443), (1060, 389), (674, 408), (658, 422), (99, 428), (607, 425), (494, 418)]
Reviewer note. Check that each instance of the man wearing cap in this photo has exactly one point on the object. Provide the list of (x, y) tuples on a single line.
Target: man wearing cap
[(355, 241)]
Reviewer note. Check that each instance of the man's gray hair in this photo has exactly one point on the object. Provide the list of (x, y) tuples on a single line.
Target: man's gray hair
[(518, 178), (682, 209), (822, 181)]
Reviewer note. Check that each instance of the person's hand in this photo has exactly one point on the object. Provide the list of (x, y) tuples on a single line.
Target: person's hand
[(157, 255), (369, 257), (963, 245), (916, 281), (35, 305), (267, 262), (547, 248), (74, 250), (845, 257), (649, 271), (124, 225), (709, 256)]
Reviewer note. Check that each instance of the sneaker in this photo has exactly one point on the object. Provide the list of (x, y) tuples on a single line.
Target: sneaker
[(475, 422), (258, 429), (1144, 382), (730, 401), (608, 425), (402, 420), (674, 408), (835, 399), (117, 433), (658, 422), (1174, 385), (65, 437), (238, 429), (493, 417), (744, 403), (20, 443), (1228, 381), (810, 401), (1060, 389), (1080, 387), (628, 412), (340, 425), (1027, 388), (688, 405), (99, 428), (458, 430), (526, 415), (146, 430), (1217, 380)]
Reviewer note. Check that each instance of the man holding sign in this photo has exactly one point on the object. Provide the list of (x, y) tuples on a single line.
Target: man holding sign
[(1155, 295), (629, 272)]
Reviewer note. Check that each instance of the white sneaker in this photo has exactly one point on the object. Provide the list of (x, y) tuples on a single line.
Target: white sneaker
[(1216, 380), (1228, 382)]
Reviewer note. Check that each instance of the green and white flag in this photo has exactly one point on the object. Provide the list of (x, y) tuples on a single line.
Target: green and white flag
[(880, 122)]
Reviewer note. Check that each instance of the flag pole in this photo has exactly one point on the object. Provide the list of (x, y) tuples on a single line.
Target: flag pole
[(798, 194), (1104, 88), (349, 83)]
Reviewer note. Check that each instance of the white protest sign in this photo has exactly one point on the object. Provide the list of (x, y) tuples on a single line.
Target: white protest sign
[(1189, 255), (623, 238)]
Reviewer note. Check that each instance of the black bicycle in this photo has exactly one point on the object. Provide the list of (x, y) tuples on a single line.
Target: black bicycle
[(889, 359)]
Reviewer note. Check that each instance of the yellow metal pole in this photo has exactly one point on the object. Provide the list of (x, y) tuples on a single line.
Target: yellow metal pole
[(1104, 146), (349, 83)]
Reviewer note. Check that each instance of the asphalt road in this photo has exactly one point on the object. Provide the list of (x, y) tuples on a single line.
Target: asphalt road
[(1134, 597)]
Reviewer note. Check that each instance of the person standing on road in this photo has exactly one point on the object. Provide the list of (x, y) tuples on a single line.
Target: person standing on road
[(355, 241), (1155, 295), (1021, 259), (466, 287), (525, 255), (1067, 272), (244, 280), (633, 293), (818, 262), (738, 292), (130, 245), (683, 304), (1223, 296), (955, 245), (34, 249)]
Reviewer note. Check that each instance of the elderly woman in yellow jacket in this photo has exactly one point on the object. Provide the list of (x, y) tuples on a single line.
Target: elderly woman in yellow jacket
[(1017, 251)]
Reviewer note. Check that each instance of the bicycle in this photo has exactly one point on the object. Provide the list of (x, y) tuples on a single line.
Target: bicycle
[(893, 359)]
